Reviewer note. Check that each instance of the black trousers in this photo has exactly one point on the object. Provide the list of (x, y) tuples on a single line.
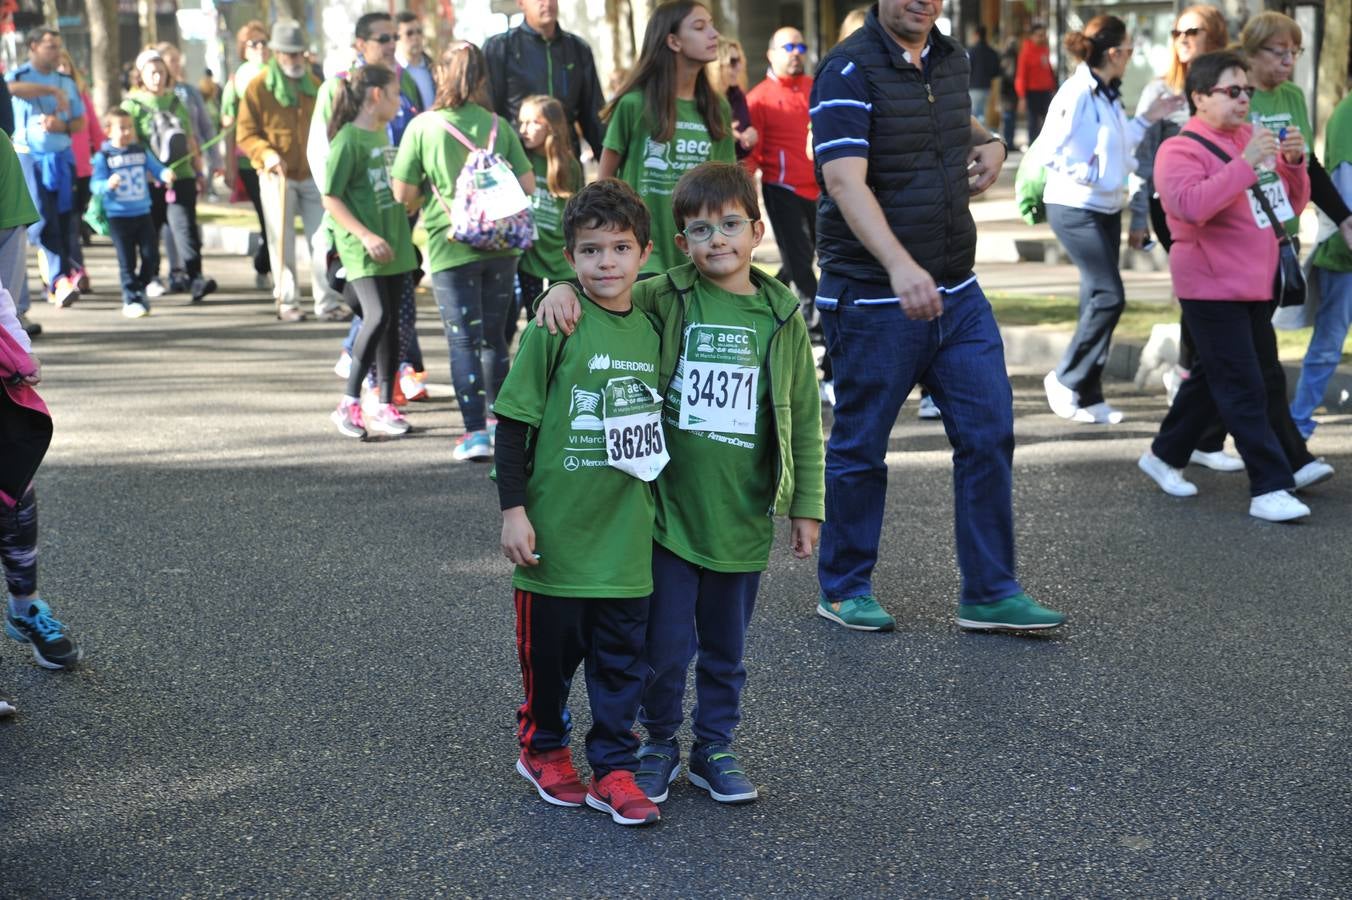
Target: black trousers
[(794, 220), (1238, 376), (135, 236), (181, 217), (554, 635), (1038, 104), (262, 261)]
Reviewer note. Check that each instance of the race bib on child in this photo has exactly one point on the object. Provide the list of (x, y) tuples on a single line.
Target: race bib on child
[(633, 428), (1275, 192), (719, 371)]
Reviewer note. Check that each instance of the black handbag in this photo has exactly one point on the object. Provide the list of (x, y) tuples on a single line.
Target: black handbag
[(1288, 285)]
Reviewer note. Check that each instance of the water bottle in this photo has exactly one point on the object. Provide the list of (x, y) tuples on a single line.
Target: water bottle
[(1267, 163)]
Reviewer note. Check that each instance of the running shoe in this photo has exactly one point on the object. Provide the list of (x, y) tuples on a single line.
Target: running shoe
[(200, 287), (387, 419), (53, 647), (618, 794), (411, 385), (1018, 613), (552, 773), (1062, 400), (928, 409), (349, 420), (1216, 461), (135, 310), (715, 768), (1312, 473), (1170, 480), (7, 707), (659, 764), (475, 445), (856, 613), (156, 289), (343, 367), (1277, 506), (65, 293)]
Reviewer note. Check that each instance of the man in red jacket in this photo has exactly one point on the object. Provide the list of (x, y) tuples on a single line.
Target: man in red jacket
[(779, 113), (1035, 80)]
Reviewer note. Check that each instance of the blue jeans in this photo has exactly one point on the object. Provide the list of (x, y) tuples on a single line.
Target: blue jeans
[(135, 236), (51, 232), (1331, 323), (474, 300), (879, 355), (696, 609)]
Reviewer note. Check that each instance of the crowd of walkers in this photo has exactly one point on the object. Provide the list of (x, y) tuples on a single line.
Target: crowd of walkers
[(666, 357)]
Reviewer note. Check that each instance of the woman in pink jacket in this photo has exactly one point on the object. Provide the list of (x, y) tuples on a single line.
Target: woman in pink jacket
[(1223, 263)]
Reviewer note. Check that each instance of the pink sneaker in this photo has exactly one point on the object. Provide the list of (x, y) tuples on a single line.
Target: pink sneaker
[(387, 419), (349, 419)]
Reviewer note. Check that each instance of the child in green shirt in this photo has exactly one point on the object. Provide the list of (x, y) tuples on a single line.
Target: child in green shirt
[(666, 118), (744, 425), (373, 239), (579, 436)]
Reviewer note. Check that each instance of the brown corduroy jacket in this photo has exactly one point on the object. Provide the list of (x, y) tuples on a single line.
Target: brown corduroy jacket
[(265, 126)]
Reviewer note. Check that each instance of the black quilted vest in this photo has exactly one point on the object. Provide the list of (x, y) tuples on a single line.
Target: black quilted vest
[(919, 138)]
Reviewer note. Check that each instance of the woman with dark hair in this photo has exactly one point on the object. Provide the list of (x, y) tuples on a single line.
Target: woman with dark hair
[(1223, 263), (1088, 145), (474, 288), (667, 118)]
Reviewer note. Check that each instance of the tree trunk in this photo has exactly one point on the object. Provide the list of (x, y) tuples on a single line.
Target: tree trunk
[(1333, 59), (104, 54)]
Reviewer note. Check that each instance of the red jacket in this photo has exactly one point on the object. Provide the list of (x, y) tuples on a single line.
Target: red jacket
[(1034, 73), (779, 113)]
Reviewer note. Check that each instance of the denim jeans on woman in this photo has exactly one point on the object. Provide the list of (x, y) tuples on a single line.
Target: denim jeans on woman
[(1093, 240), (1331, 323), (474, 300)]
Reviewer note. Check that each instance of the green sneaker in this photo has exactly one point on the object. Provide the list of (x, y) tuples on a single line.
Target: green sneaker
[(1018, 613), (859, 613)]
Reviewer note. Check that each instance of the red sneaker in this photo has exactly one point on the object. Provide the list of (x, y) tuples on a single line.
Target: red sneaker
[(619, 795), (553, 775)]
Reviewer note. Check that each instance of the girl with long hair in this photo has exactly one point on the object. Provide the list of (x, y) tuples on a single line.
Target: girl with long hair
[(667, 118), (474, 288), (558, 175), (373, 239)]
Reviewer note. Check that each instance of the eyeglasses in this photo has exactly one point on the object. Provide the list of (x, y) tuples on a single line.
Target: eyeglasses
[(1234, 90), (380, 38), (1186, 32), (256, 44), (1292, 53), (732, 226), (793, 48)]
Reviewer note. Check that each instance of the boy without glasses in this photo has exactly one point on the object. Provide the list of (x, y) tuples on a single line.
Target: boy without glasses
[(579, 436), (743, 419)]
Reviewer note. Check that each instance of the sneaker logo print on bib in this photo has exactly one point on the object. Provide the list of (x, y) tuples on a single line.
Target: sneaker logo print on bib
[(633, 428), (718, 374)]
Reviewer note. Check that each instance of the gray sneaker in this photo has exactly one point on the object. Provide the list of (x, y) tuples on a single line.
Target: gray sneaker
[(659, 764)]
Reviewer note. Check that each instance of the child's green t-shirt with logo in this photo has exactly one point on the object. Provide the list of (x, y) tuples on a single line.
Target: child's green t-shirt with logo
[(1282, 107), (358, 173), (713, 498), (544, 259), (593, 523), (652, 168)]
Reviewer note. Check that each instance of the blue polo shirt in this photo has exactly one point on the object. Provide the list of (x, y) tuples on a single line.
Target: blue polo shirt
[(28, 131)]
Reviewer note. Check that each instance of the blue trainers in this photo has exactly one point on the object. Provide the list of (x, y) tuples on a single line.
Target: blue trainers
[(659, 764), (714, 768), (476, 445), (53, 647)]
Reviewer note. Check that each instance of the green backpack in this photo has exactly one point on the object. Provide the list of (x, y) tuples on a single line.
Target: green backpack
[(95, 216), (1030, 181)]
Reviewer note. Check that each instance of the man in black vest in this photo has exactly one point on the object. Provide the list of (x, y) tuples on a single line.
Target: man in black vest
[(897, 155)]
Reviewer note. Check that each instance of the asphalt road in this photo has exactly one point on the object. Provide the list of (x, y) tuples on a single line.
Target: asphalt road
[(301, 678)]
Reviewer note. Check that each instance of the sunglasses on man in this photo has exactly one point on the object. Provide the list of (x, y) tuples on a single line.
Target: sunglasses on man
[(793, 48)]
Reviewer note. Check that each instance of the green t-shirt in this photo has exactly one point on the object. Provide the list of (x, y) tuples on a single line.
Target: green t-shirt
[(1334, 254), (1281, 108), (358, 173), (714, 496), (427, 150), (545, 259), (16, 204), (140, 105), (593, 523), (653, 168)]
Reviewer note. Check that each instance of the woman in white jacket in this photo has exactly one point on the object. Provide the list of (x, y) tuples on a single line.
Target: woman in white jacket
[(1089, 148)]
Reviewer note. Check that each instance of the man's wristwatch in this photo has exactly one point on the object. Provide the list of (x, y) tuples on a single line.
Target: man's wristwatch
[(994, 138)]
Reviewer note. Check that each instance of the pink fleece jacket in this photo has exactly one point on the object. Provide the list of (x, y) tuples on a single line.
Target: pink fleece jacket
[(1219, 251)]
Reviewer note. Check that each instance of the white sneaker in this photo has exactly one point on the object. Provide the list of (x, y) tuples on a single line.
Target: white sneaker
[(1219, 461), (155, 289), (1313, 473), (1170, 480), (135, 310), (828, 392), (928, 409), (1097, 414), (343, 367), (1060, 398), (1277, 506)]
